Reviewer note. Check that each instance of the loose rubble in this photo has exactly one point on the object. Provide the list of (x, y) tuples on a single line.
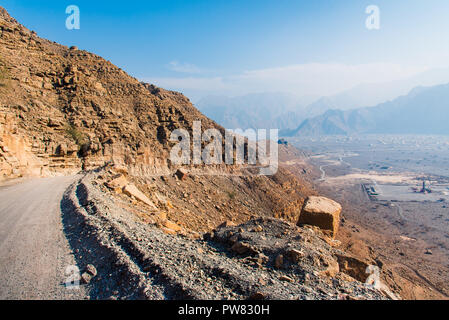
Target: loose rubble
[(233, 262)]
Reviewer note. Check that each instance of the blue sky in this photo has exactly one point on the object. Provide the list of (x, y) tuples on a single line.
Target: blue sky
[(234, 47)]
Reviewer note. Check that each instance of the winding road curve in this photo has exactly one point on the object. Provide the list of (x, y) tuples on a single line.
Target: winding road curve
[(34, 253), (323, 173)]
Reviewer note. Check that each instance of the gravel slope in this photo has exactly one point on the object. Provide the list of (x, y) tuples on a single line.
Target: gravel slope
[(138, 261)]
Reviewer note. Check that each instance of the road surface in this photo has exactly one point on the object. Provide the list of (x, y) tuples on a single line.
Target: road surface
[(34, 253), (323, 173)]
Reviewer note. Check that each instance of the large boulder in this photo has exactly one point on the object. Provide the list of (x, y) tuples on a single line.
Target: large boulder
[(321, 212)]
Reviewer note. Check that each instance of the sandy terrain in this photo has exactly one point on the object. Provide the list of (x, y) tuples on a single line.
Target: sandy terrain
[(379, 178)]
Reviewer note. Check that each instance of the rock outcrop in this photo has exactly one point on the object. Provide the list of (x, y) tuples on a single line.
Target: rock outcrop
[(71, 110), (321, 212)]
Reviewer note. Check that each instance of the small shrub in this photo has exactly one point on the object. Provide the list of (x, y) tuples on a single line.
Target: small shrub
[(232, 195), (79, 137)]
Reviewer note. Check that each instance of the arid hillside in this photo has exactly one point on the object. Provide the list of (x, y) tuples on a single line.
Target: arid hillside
[(63, 110), (73, 109)]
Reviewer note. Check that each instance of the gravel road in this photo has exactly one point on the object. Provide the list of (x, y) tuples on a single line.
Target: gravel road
[(34, 252)]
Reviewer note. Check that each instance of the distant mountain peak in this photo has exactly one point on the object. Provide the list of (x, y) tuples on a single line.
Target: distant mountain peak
[(425, 110)]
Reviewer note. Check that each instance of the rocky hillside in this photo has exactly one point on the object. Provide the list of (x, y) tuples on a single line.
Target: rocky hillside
[(66, 111), (63, 109)]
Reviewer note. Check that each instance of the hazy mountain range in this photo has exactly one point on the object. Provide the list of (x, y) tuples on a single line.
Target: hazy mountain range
[(425, 110), (287, 111), (263, 110)]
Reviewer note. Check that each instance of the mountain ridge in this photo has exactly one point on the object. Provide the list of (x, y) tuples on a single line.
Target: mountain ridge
[(424, 110), (286, 111)]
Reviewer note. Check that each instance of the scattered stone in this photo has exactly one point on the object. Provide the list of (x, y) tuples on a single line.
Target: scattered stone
[(294, 255), (332, 270), (118, 183), (162, 215), (169, 231), (334, 243), (169, 205), (234, 238), (209, 236), (279, 262), (286, 279), (379, 263), (182, 174), (353, 267), (243, 248), (91, 270), (262, 259), (171, 225), (86, 278), (120, 169), (226, 224), (257, 228)]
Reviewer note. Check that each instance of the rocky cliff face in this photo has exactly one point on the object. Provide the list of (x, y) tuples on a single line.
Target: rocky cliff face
[(70, 109)]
